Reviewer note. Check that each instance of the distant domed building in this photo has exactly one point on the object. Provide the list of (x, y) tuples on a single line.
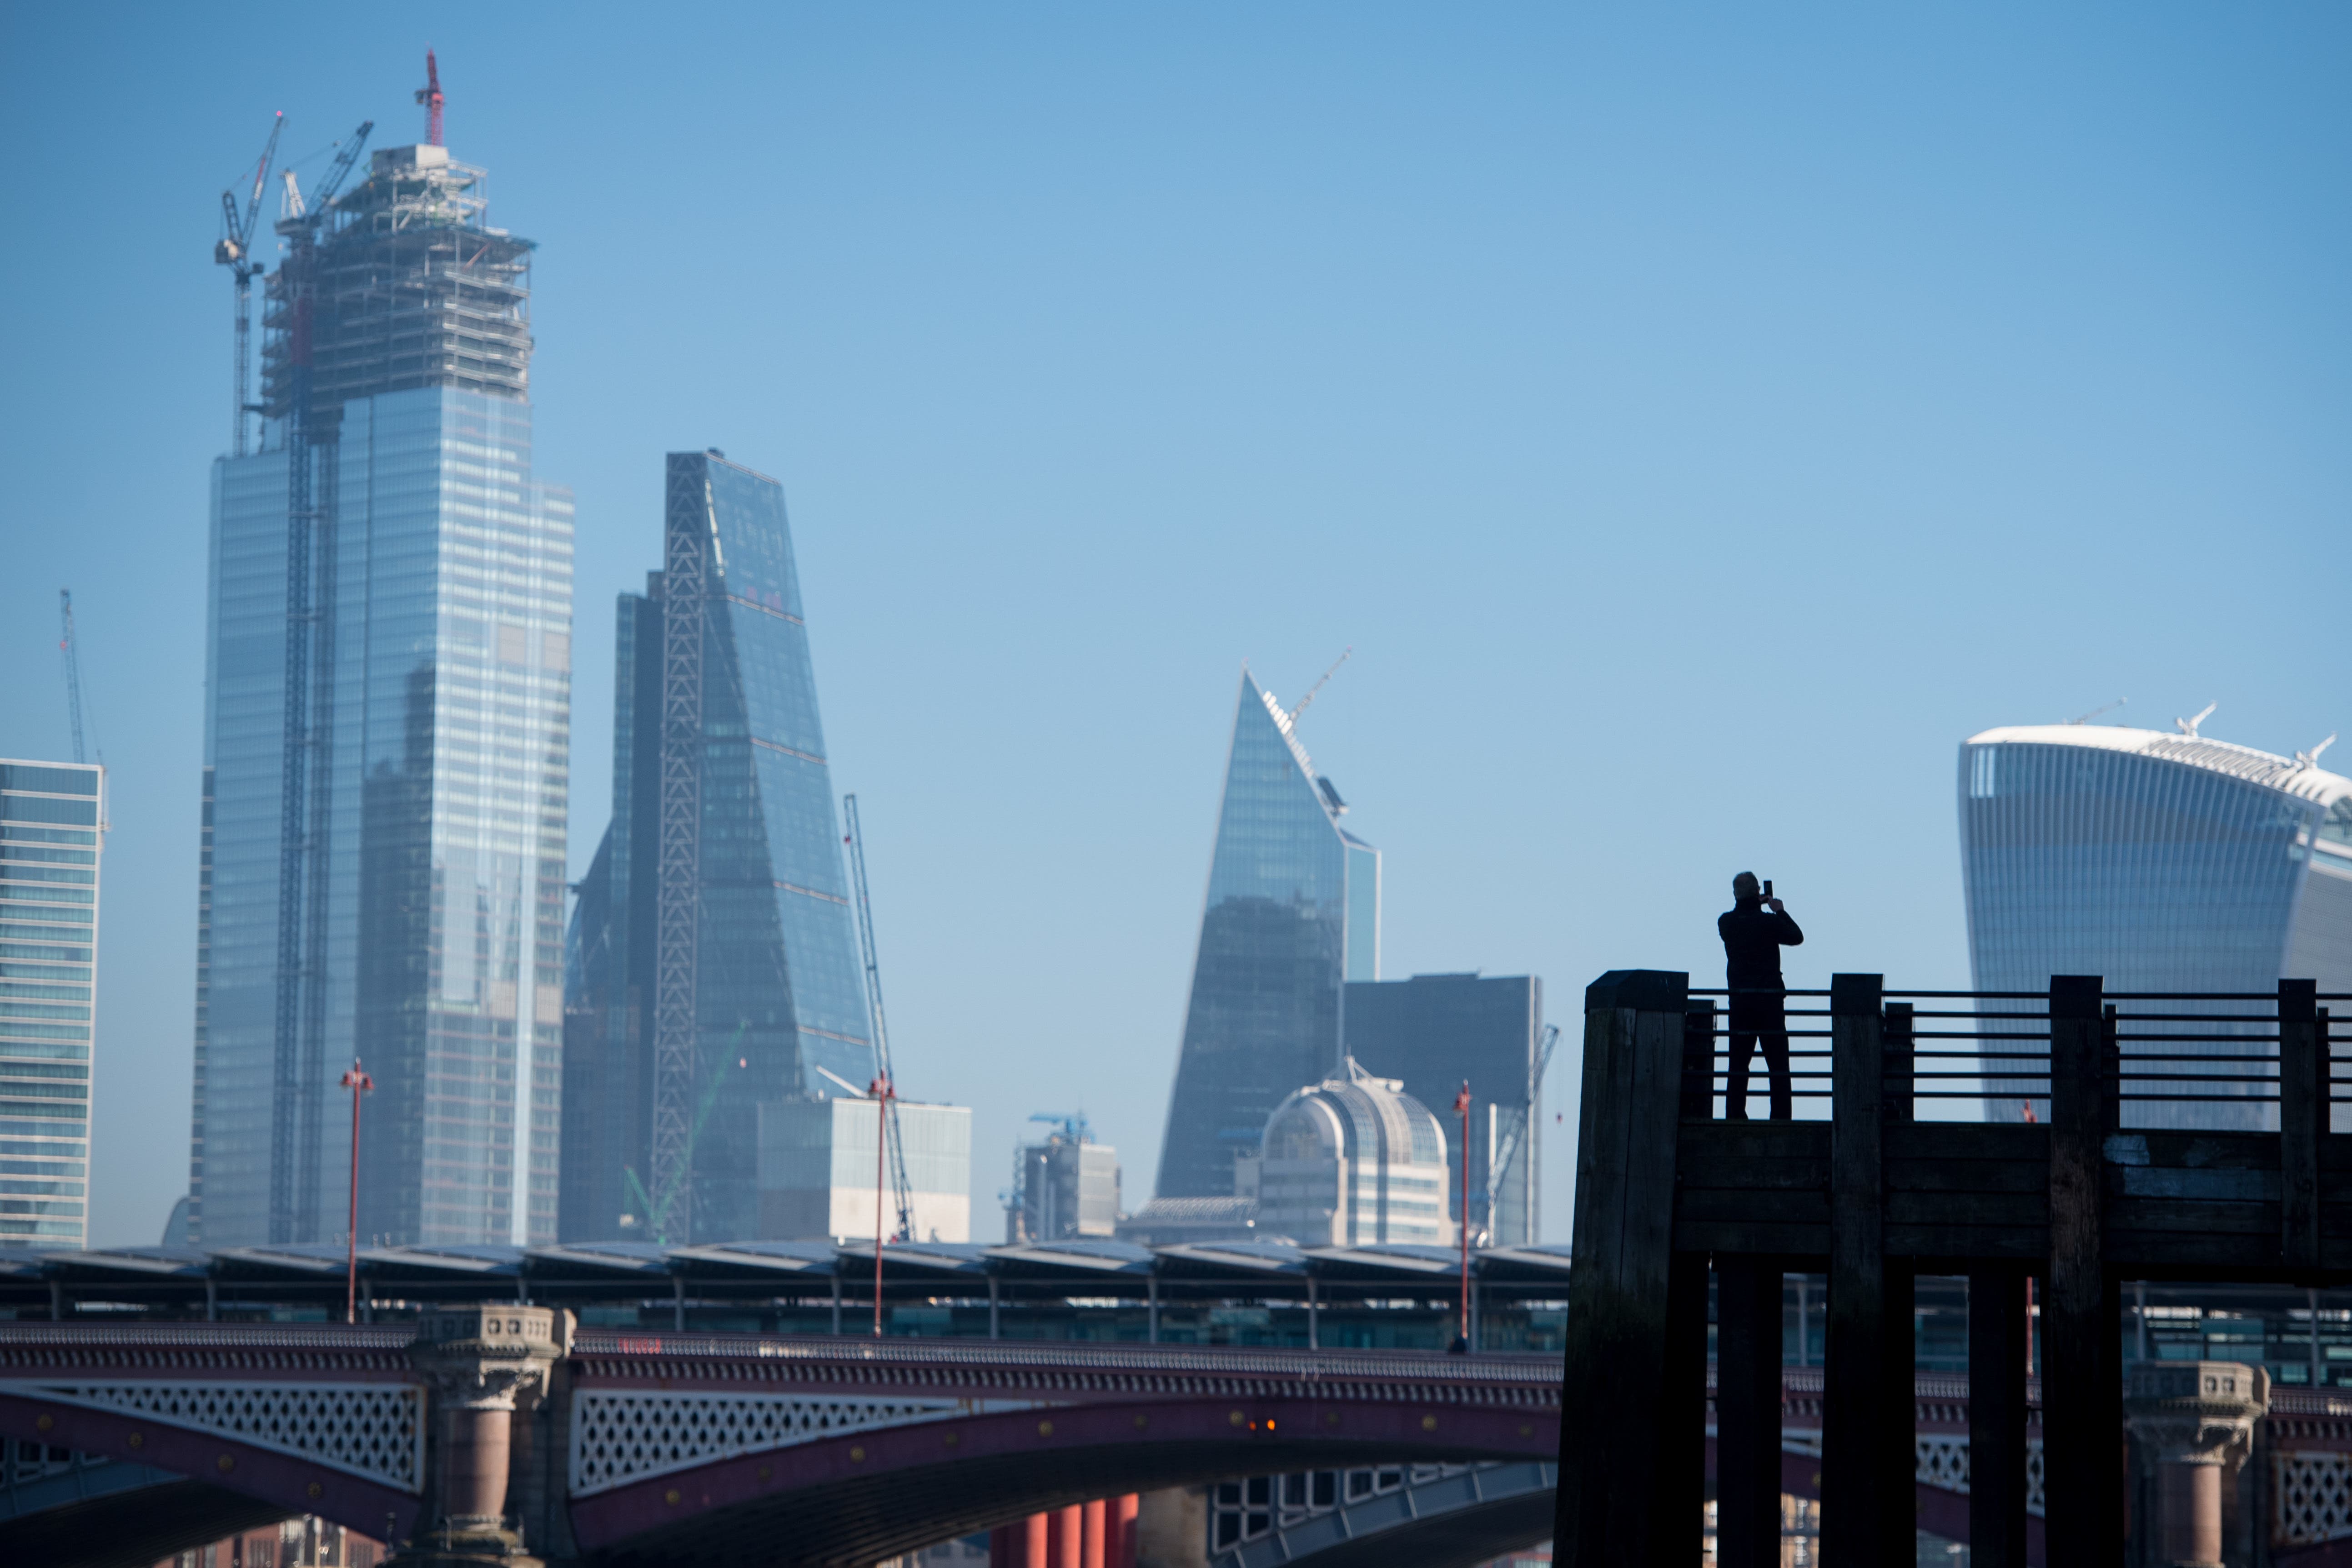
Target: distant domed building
[(1351, 1160)]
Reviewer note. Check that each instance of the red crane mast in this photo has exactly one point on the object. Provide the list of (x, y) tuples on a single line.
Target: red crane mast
[(429, 94)]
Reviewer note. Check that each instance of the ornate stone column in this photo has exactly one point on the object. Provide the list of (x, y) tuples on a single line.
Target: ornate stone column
[(478, 1362), (2194, 1422)]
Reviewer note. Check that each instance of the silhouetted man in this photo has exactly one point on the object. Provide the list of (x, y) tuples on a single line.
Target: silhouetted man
[(1754, 931)]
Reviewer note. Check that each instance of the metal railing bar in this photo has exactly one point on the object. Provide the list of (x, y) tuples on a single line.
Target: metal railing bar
[(2209, 1099)]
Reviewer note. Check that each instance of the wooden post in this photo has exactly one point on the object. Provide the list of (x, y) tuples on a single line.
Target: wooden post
[(1748, 1413), (2082, 1478), (1698, 1060), (1900, 1064), (1854, 1398), (1616, 1499), (2303, 1117), (1899, 1409), (1997, 1417)]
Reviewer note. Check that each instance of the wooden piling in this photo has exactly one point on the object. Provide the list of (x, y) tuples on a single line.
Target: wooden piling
[(1616, 1440), (1997, 1308), (1747, 1314), (2302, 1118), (1854, 1508), (2081, 1476)]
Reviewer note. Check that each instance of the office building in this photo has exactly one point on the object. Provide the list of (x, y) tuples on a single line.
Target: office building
[(387, 703), (1064, 1188), (1293, 913), (2161, 862), (817, 1170), (1354, 1161), (711, 964), (52, 825), (1433, 1032)]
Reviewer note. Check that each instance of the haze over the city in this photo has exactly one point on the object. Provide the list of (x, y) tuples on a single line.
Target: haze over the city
[(1696, 422)]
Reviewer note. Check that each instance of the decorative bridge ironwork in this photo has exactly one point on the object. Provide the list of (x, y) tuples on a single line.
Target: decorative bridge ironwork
[(497, 1429)]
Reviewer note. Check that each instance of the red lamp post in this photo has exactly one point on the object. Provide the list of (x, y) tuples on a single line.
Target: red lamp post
[(883, 1094), (359, 1083), (1461, 1107)]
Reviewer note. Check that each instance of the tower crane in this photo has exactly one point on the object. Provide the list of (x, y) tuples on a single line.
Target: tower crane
[(1506, 1148), (234, 251), (429, 94), (902, 1188)]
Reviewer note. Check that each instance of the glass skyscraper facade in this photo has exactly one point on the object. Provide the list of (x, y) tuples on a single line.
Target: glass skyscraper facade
[(1433, 1033), (1293, 914), (52, 819), (2160, 863), (415, 918), (711, 964)]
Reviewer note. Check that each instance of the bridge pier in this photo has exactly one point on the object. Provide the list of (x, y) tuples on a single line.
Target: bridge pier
[(479, 1362), (2194, 1424)]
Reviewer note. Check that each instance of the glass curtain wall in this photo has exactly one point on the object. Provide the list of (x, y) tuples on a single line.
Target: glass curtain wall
[(760, 896), (1293, 912), (52, 818), (2160, 863), (440, 763)]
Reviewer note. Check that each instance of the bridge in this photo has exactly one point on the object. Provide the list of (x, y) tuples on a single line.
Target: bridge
[(1673, 1201), (492, 1429)]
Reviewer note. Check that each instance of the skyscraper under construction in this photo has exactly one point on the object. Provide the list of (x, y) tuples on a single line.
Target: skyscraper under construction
[(387, 704)]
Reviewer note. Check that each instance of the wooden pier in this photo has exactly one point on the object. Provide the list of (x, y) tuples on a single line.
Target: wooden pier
[(2081, 1202)]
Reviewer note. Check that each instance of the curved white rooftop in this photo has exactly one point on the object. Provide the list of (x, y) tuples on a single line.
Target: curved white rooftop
[(2290, 775)]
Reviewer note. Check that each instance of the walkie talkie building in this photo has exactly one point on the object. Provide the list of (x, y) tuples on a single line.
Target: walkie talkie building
[(2160, 862)]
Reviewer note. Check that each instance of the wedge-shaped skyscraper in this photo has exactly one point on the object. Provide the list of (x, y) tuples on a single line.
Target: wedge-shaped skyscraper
[(712, 964), (1293, 914)]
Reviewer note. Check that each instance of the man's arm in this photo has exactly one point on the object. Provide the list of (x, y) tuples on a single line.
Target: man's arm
[(1786, 930)]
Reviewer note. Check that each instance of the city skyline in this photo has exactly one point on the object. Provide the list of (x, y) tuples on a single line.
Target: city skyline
[(1103, 355)]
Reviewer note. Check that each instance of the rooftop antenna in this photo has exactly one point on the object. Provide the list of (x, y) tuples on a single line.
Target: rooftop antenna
[(429, 94), (2108, 709), (1311, 691), (2188, 726), (2310, 759)]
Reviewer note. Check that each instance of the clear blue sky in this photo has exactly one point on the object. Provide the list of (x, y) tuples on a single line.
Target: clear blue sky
[(1698, 420)]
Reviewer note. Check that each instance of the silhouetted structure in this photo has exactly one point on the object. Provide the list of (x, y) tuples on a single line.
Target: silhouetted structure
[(1874, 1198)]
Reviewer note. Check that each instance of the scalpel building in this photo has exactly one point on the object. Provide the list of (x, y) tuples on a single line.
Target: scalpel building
[(1293, 914), (2160, 862)]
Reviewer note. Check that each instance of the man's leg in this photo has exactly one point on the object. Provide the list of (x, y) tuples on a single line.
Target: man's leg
[(1734, 1092), (1776, 1068)]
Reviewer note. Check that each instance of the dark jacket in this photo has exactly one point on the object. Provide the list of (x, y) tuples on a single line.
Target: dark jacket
[(1753, 937)]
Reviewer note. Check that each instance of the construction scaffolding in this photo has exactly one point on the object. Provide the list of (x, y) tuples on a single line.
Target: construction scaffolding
[(409, 289)]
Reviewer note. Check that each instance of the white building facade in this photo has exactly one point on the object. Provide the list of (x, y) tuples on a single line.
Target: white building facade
[(1353, 1160)]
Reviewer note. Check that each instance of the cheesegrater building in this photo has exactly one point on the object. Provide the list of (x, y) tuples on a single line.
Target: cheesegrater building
[(1293, 914), (711, 967), (387, 703), (2160, 862)]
